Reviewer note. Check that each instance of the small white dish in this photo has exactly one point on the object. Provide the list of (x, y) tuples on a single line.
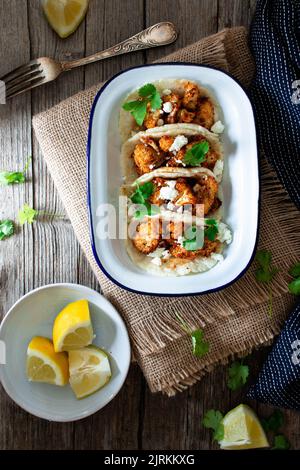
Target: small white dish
[(240, 184), (33, 315)]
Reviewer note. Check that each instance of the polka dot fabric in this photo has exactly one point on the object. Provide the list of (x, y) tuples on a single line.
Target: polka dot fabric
[(279, 381), (275, 91)]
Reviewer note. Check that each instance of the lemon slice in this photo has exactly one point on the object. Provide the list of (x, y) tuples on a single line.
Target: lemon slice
[(65, 15), (72, 327), (242, 430), (89, 370), (44, 364)]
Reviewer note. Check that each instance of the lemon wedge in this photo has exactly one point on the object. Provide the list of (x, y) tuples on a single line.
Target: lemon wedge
[(65, 15), (44, 364), (72, 327), (89, 370), (242, 430)]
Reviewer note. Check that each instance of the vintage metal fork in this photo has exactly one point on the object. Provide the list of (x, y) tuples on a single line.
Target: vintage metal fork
[(43, 70)]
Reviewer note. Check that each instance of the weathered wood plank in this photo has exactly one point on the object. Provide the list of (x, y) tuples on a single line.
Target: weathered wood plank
[(15, 145), (194, 19), (107, 23), (174, 423)]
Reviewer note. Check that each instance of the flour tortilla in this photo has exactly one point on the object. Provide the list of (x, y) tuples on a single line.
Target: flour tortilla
[(127, 163), (173, 266), (128, 123)]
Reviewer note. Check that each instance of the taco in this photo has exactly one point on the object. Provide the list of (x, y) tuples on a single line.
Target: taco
[(168, 101), (164, 237), (171, 146)]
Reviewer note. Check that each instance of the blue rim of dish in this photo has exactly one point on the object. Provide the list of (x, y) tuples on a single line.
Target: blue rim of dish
[(92, 235)]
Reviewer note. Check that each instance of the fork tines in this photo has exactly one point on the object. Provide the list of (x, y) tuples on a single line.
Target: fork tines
[(23, 79)]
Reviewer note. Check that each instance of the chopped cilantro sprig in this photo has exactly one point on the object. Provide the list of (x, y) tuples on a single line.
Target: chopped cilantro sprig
[(197, 154), (14, 177), (199, 346), (138, 108)]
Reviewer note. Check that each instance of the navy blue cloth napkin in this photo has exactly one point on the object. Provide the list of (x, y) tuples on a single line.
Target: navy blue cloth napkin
[(275, 92)]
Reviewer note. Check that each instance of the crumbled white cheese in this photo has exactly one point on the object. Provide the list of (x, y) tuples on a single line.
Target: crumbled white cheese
[(156, 253), (180, 162), (151, 166), (218, 170), (160, 122), (180, 209), (224, 233), (166, 254), (168, 192), (166, 92), (178, 143), (218, 127), (167, 107), (180, 240), (156, 261), (170, 206), (159, 253)]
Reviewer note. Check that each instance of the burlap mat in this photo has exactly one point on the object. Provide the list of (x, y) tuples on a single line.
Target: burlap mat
[(234, 320)]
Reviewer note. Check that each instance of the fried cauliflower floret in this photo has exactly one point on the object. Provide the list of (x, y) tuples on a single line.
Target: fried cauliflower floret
[(206, 190), (154, 198), (210, 159), (185, 193), (208, 248), (172, 231), (205, 114), (191, 96), (173, 98), (147, 237), (146, 157), (165, 142), (186, 116), (151, 118)]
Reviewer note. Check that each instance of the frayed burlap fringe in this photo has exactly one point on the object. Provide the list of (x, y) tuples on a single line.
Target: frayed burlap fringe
[(234, 320)]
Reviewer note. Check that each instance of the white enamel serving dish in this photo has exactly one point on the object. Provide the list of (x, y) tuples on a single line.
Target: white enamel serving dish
[(240, 184), (33, 315)]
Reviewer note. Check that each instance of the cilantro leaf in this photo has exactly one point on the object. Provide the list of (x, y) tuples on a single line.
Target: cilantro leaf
[(211, 229), (281, 443), (273, 422), (11, 177), (213, 420), (6, 228), (142, 193), (200, 346), (266, 271), (237, 375), (156, 101), (27, 214), (147, 90), (196, 155), (146, 209), (294, 286), (138, 108), (14, 177), (193, 238), (295, 270)]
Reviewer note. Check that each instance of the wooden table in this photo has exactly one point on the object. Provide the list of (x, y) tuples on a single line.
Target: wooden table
[(48, 252)]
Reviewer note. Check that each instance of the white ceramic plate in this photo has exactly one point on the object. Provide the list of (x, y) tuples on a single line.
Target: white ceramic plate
[(240, 183), (33, 315)]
